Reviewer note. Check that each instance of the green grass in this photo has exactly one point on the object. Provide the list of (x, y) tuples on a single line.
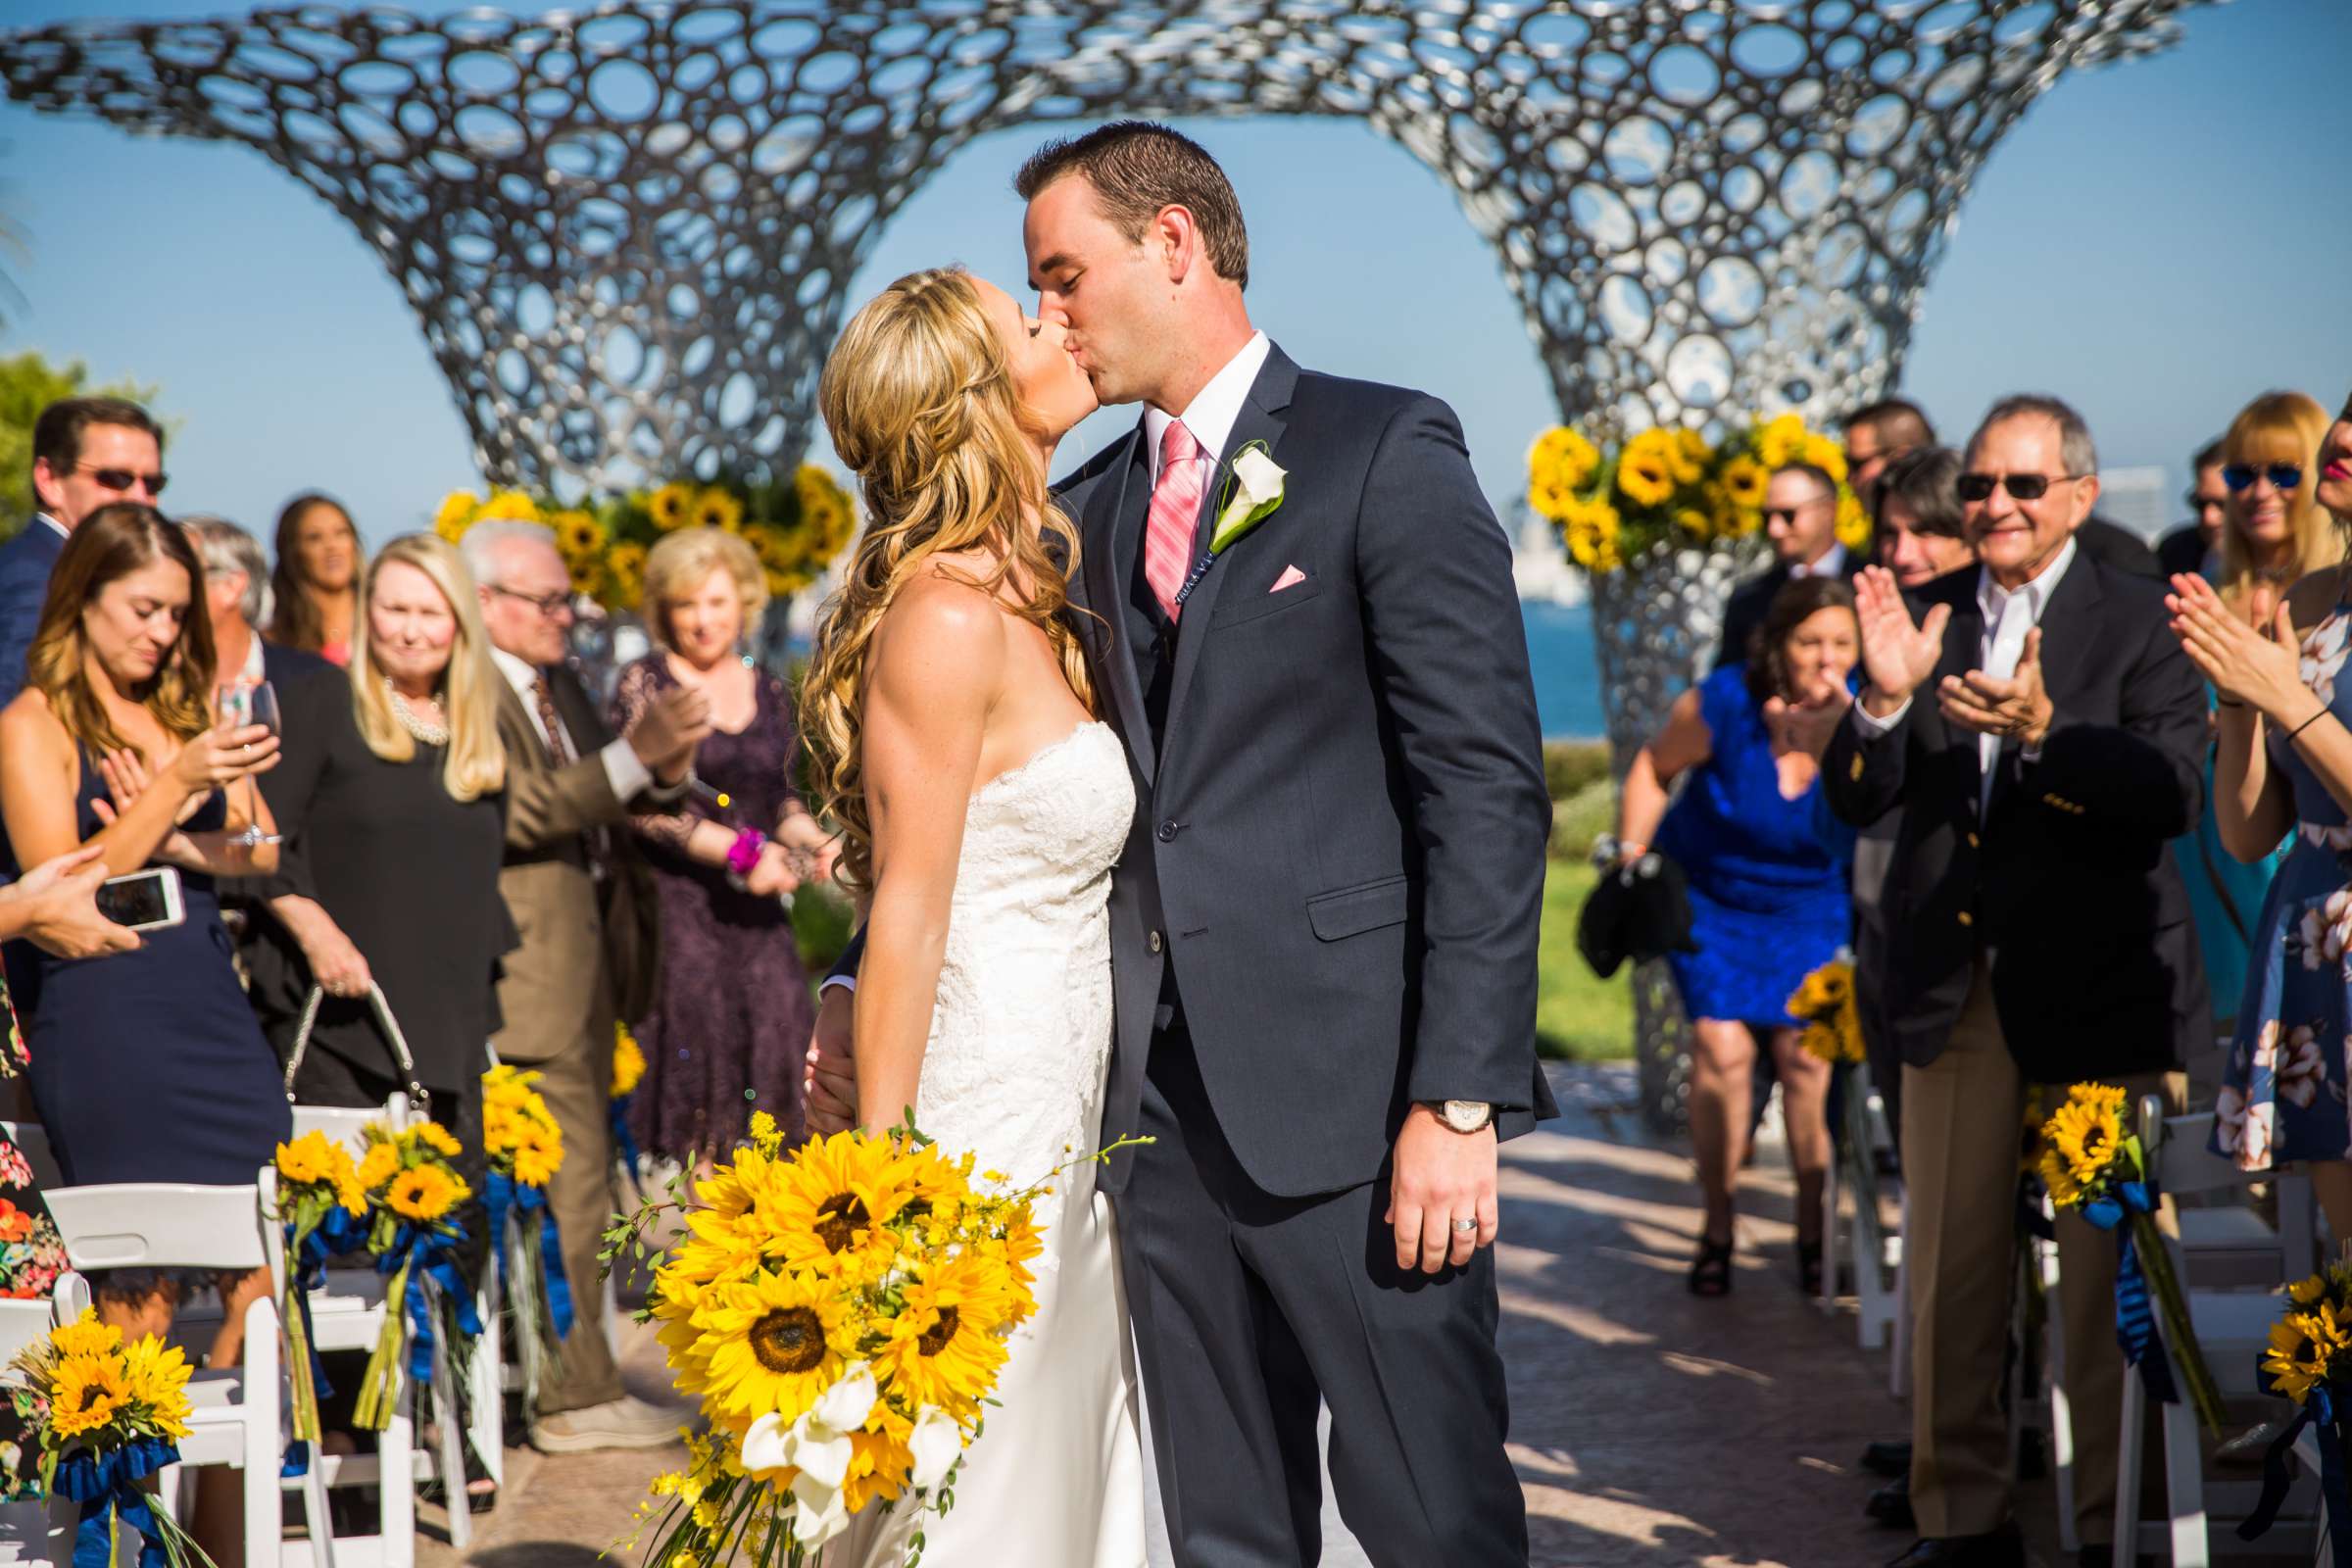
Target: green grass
[(1578, 1016)]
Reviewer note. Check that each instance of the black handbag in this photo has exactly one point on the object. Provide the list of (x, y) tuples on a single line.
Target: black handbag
[(1639, 909)]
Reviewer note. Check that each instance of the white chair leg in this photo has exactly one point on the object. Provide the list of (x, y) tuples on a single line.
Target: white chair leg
[(1899, 1372), (2128, 1456), (2062, 1415), (396, 1482), (2183, 1488), (487, 1416), (449, 1422), (1832, 1238), (265, 1447), (314, 1512)]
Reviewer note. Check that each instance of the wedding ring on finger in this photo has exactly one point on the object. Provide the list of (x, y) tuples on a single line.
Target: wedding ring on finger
[(1465, 1227)]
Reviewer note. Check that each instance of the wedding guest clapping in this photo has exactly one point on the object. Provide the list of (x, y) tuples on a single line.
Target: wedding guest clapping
[(2285, 765), (731, 1013), (391, 796), (147, 1067), (317, 583), (1768, 895)]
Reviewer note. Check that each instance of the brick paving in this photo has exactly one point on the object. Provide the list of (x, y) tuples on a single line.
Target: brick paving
[(1650, 1428)]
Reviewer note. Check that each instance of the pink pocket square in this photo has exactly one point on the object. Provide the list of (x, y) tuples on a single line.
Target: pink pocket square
[(1290, 577)]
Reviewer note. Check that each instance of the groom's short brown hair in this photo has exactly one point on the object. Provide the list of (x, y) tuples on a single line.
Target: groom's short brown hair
[(1136, 167)]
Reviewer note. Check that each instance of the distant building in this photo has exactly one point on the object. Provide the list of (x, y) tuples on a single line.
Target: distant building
[(2137, 499)]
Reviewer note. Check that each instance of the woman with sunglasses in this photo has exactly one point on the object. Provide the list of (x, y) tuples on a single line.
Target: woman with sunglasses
[(2285, 765)]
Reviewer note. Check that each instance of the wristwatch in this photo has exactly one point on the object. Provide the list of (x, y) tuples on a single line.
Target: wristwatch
[(1462, 1115)]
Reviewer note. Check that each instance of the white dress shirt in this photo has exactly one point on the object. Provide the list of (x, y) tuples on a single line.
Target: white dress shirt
[(2008, 613), (1211, 414), (628, 776), (1831, 564)]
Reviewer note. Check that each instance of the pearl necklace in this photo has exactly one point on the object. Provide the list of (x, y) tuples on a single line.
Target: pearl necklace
[(417, 728)]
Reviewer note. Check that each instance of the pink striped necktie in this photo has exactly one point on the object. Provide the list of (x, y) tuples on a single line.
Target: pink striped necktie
[(1175, 506)]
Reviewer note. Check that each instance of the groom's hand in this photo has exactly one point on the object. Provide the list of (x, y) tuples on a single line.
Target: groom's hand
[(830, 1087), (1440, 1176)]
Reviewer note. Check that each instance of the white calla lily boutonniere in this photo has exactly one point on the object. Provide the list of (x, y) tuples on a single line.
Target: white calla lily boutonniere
[(1253, 490)]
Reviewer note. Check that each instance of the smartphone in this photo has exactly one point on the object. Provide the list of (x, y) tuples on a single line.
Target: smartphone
[(143, 900)]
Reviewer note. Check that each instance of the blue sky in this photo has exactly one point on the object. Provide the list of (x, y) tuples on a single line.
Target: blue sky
[(2157, 241)]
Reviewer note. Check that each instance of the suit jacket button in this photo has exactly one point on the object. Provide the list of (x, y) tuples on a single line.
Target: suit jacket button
[(1153, 942), (1168, 831), (1856, 770), (1972, 840), (1966, 918)]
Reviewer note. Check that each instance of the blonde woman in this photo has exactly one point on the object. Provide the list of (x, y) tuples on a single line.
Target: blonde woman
[(2273, 535), (731, 1013), (391, 798), (951, 725)]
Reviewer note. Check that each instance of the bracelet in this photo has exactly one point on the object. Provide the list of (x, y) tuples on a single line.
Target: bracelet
[(2307, 723), (743, 855)]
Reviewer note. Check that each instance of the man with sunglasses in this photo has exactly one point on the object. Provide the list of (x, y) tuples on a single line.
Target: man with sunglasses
[(1800, 523), (86, 453), (2196, 544), (2041, 734)]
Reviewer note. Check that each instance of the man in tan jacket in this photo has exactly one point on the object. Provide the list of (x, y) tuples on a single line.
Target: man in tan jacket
[(584, 908)]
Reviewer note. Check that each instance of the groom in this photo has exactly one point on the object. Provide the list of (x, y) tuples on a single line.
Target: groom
[(1323, 925)]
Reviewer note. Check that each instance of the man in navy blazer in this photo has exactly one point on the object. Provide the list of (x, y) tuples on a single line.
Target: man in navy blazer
[(86, 452)]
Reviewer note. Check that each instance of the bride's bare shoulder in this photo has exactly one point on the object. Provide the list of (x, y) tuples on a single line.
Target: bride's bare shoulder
[(941, 626)]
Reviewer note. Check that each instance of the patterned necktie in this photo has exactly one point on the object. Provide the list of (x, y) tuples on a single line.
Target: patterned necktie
[(559, 754), (1175, 506)]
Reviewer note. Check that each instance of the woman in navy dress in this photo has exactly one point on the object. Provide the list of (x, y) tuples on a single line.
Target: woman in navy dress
[(1769, 876), (146, 1067)]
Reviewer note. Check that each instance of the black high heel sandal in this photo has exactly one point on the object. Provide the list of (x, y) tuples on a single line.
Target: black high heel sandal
[(1808, 1266), (1711, 1270)]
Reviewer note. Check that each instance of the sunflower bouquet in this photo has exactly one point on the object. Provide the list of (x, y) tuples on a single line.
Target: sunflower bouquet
[(414, 1197), (109, 1416), (2092, 1164), (321, 1203), (1670, 487), (1824, 1001), (841, 1311), (2309, 1361), (795, 525), (525, 1150)]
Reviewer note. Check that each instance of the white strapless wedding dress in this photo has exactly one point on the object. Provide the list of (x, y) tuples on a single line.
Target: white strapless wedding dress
[(1015, 1072)]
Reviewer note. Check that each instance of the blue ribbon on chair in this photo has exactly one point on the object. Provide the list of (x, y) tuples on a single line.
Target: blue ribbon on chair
[(425, 1250), (2276, 1476), (338, 1232), (108, 1489), (622, 1139), (501, 1193), (2135, 1309)]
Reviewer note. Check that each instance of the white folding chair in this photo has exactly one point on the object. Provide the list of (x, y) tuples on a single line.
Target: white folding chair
[(2232, 1329), (31, 1531), (1858, 1244), (238, 1412)]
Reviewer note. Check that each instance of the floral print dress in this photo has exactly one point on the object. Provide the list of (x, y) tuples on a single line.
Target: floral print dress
[(2284, 1092)]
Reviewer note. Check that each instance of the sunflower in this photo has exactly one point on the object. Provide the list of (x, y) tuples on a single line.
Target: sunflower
[(1780, 442), (1692, 521), (85, 1392), (509, 506), (772, 1343), (2302, 1348), (1645, 469), (1561, 459), (629, 1060), (1590, 530), (424, 1194), (1853, 523), (2305, 1292), (2065, 1191), (942, 1348), (1682, 460), (2087, 1133), (538, 1156), (880, 1463), (716, 508), (1826, 456), (455, 514), (308, 1159), (577, 533), (1745, 480), (832, 1199), (86, 1338), (157, 1375), (625, 573), (436, 1138), (377, 1165), (671, 506)]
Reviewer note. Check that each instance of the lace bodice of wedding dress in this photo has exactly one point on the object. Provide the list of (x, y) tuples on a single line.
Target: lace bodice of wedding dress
[(1014, 1070)]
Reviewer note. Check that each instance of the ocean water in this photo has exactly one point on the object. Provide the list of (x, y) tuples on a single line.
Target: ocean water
[(1559, 651)]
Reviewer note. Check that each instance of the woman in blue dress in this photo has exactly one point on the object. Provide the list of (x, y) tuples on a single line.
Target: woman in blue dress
[(146, 1067), (2283, 764), (1769, 876)]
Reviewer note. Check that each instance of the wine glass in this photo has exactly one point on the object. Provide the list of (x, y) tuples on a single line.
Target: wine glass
[(256, 703)]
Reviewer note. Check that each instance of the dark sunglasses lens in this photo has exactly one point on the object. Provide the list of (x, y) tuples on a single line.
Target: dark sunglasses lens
[(2237, 476), (2027, 486), (124, 478), (1975, 487), (2285, 476), (156, 483)]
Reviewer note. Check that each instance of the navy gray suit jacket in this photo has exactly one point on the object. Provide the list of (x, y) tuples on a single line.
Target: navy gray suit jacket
[(25, 565), (1339, 844)]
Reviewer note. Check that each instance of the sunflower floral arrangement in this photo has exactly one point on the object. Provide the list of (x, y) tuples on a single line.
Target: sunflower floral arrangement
[(525, 1150), (841, 1311), (2309, 1361), (795, 525), (2090, 1164), (320, 1204), (414, 1196), (1669, 488), (110, 1415), (1824, 1001)]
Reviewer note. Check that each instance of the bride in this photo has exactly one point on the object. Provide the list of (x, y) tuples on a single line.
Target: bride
[(951, 719)]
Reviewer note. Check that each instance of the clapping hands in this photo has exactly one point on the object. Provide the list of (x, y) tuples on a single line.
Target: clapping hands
[(1897, 654), (1808, 723), (2252, 659), (2016, 708)]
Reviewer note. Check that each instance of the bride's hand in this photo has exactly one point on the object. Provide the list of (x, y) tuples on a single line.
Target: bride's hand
[(830, 1085)]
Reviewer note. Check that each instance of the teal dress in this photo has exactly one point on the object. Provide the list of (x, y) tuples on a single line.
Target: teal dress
[(2225, 899)]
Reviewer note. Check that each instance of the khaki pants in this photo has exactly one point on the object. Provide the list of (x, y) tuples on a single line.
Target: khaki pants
[(577, 1086), (1963, 1131)]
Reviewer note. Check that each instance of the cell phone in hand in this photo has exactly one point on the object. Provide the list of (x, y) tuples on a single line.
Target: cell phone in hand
[(143, 900)]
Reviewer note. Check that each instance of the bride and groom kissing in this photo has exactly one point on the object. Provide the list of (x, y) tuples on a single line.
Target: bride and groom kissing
[(1215, 820)]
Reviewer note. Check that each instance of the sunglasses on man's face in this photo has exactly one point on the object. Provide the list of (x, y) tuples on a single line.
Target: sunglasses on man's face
[(124, 478), (2283, 476), (1790, 514), (1975, 487)]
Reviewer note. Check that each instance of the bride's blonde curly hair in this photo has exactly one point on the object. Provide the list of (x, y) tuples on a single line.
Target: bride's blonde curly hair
[(920, 402)]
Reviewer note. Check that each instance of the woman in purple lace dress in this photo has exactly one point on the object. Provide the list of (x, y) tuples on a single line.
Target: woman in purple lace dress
[(732, 1016)]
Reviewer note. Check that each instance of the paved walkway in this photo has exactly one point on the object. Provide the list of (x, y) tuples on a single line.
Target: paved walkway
[(1650, 1428)]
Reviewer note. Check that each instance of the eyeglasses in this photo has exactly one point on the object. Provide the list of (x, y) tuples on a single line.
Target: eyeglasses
[(548, 605), (1790, 514), (2283, 476), (2198, 502), (1975, 487), (124, 478)]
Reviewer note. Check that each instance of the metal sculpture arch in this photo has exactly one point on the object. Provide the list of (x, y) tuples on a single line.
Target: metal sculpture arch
[(629, 233)]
